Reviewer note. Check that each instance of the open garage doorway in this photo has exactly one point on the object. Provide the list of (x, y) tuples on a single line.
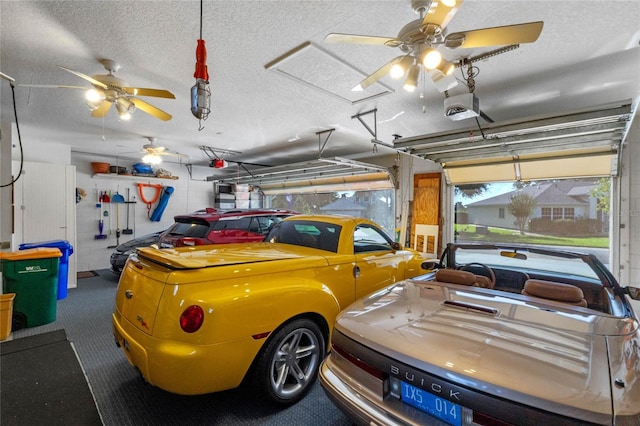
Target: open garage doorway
[(572, 214)]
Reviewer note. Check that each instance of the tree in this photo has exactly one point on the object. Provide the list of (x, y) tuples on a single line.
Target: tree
[(521, 207), (470, 190), (602, 193)]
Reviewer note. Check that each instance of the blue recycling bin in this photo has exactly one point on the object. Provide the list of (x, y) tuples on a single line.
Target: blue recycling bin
[(63, 269)]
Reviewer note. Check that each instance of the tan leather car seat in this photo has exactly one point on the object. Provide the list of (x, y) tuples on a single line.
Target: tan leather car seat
[(559, 292)]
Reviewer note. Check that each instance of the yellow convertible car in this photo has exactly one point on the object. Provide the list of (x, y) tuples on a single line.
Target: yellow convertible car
[(203, 319)]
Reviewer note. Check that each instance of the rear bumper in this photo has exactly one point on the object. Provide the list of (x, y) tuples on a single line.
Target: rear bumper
[(117, 263), (359, 405), (183, 368)]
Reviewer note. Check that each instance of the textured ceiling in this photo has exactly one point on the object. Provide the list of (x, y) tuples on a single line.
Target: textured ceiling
[(586, 55)]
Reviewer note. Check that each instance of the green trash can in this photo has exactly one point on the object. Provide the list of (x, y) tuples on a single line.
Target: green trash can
[(33, 276)]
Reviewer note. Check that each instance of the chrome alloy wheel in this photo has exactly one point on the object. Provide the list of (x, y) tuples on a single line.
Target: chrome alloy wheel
[(295, 363)]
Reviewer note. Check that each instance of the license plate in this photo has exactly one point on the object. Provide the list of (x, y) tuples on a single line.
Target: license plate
[(440, 408)]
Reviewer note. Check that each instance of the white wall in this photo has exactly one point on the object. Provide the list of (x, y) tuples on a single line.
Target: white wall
[(189, 195), (627, 219)]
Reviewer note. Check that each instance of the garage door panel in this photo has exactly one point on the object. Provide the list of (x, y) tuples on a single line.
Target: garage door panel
[(569, 167)]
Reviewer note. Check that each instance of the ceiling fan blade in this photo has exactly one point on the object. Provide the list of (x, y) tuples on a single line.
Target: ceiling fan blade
[(496, 36), (86, 77), (442, 14), (102, 110), (140, 91), (52, 86), (174, 154), (378, 74), (150, 109), (361, 39)]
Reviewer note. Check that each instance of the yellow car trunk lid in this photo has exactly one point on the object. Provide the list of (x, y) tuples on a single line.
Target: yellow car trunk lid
[(224, 254)]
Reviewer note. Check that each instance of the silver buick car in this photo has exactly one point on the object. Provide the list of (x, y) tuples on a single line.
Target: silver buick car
[(496, 335)]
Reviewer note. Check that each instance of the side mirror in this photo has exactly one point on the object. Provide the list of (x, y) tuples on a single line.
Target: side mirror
[(633, 292), (429, 265), (396, 246)]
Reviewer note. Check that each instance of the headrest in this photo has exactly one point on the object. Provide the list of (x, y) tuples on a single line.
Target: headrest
[(484, 282), (554, 291), (455, 276)]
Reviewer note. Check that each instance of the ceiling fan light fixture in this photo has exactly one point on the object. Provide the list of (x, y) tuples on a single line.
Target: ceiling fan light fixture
[(400, 67), (446, 67), (94, 96), (396, 71), (125, 108), (412, 78), (94, 105), (431, 58), (151, 159)]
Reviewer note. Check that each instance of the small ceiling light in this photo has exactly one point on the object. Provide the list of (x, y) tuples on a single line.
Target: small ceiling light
[(94, 96), (446, 67), (125, 108), (151, 159), (412, 79), (431, 58), (396, 71), (400, 68)]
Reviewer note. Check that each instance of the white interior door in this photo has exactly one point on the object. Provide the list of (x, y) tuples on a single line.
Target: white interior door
[(45, 207)]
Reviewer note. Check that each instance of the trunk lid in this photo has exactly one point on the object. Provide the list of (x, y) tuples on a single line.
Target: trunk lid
[(226, 254), (542, 357)]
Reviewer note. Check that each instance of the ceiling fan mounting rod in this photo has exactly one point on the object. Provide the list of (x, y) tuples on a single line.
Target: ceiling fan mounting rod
[(421, 7), (110, 65)]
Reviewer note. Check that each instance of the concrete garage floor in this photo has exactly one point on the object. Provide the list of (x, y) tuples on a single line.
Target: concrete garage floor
[(123, 398)]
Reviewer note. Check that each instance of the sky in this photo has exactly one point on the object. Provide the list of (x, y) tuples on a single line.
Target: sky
[(493, 190)]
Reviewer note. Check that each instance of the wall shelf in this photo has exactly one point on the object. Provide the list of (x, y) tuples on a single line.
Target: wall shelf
[(130, 177)]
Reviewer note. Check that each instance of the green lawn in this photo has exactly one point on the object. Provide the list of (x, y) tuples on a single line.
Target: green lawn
[(501, 235)]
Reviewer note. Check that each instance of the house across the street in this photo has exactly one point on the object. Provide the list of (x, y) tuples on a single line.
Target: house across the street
[(564, 206)]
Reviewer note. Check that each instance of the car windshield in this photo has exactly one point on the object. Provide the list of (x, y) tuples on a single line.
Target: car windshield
[(526, 260)]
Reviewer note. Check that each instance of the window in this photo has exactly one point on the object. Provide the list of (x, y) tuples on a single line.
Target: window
[(195, 230), (236, 223), (377, 205), (501, 213), (263, 224), (557, 213), (569, 213), (307, 234), (546, 213), (367, 238)]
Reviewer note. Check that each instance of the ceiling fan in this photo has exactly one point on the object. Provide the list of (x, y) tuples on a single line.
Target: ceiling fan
[(153, 153), (109, 89), (419, 41)]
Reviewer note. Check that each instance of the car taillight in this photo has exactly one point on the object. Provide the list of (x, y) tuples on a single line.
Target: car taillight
[(190, 242), (191, 319), (358, 362)]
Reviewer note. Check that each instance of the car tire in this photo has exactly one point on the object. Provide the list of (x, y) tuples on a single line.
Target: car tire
[(288, 365)]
